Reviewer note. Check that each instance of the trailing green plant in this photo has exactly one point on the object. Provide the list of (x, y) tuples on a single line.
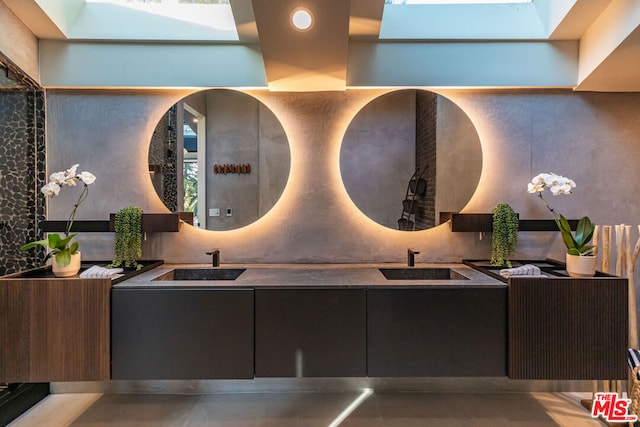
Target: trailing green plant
[(128, 239), (504, 237)]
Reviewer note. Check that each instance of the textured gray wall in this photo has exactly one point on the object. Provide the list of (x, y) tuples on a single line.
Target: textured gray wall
[(590, 137)]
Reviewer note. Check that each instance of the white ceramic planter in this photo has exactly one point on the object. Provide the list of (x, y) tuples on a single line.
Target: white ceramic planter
[(69, 270), (581, 266)]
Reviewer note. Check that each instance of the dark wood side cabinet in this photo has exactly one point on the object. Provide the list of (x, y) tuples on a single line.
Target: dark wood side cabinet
[(437, 332), (568, 329), (564, 328), (54, 329), (182, 333), (311, 332)]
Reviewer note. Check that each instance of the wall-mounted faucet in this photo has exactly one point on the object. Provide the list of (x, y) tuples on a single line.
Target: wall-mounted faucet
[(411, 259), (215, 257)]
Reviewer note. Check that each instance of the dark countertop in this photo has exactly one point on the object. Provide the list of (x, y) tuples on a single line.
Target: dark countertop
[(313, 275)]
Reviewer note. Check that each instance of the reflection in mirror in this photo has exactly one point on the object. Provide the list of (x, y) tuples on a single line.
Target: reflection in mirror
[(222, 155), (409, 155)]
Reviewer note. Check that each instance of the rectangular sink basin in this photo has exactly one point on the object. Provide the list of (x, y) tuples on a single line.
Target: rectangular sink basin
[(412, 273), (202, 274)]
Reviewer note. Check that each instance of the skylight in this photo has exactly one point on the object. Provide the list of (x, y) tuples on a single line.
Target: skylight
[(156, 20), (462, 20), (200, 12)]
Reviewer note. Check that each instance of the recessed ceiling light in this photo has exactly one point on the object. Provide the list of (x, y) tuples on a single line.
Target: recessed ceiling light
[(301, 19)]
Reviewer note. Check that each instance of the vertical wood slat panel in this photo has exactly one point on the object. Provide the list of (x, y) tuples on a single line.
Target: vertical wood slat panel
[(568, 328), (54, 330), (14, 322)]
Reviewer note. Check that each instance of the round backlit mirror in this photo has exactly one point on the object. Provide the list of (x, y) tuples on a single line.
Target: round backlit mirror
[(222, 155), (409, 158)]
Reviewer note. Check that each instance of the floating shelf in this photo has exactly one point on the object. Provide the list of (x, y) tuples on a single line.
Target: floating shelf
[(78, 225), (151, 222), (169, 222), (475, 222)]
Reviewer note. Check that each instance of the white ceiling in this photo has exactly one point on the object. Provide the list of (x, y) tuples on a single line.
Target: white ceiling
[(582, 44)]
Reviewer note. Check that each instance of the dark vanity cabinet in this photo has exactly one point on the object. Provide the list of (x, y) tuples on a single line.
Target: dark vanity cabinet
[(182, 333), (310, 332), (437, 332)]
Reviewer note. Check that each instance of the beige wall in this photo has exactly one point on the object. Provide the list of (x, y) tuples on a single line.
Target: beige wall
[(18, 43), (593, 138)]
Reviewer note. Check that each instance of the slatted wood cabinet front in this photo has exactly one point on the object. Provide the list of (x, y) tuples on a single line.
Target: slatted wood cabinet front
[(54, 329)]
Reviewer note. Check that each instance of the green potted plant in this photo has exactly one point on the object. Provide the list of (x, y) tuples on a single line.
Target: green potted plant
[(504, 236), (128, 237), (66, 257), (580, 259)]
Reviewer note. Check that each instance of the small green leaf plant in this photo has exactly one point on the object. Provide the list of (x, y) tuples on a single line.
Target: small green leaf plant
[(504, 237), (128, 237), (59, 247), (578, 244)]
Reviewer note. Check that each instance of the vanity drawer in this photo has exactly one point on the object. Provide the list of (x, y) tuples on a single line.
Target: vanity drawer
[(182, 334), (311, 333), (437, 332)]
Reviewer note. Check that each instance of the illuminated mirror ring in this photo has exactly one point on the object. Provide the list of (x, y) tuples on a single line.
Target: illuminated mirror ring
[(409, 156), (221, 154)]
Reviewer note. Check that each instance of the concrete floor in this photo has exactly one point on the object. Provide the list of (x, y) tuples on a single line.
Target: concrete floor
[(388, 409)]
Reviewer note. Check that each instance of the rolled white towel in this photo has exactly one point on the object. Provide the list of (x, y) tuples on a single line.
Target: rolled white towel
[(97, 272), (529, 270)]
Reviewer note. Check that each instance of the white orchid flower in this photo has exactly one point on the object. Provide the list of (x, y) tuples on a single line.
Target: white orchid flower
[(578, 243), (558, 189), (553, 179), (539, 179), (51, 189), (58, 178), (87, 177), (535, 188), (72, 170), (70, 176), (560, 180), (557, 184)]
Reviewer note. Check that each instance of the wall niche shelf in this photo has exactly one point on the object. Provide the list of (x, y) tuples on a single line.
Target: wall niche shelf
[(483, 222), (151, 222)]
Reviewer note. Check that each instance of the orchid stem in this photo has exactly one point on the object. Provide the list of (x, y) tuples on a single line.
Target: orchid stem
[(83, 195), (556, 217)]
